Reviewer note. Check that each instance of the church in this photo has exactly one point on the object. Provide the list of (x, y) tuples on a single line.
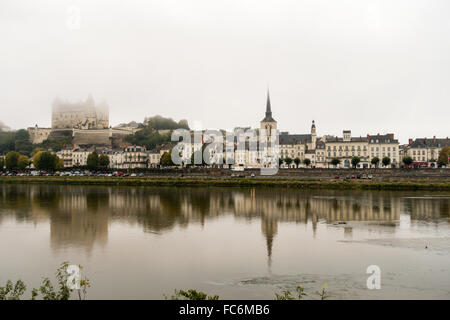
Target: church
[(292, 146)]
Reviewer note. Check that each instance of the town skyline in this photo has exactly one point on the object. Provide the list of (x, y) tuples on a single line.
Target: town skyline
[(199, 125)]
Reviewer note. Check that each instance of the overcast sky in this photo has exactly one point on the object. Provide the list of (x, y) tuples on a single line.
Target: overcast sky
[(369, 66)]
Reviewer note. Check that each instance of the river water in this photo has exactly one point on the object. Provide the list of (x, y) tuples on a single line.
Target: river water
[(238, 243)]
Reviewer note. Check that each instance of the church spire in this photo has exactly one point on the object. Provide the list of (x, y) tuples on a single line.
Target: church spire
[(268, 117), (268, 109)]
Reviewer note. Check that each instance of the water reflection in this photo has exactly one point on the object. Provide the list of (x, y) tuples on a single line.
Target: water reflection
[(80, 216)]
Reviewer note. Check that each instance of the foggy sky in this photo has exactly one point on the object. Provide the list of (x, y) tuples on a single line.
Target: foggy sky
[(369, 66)]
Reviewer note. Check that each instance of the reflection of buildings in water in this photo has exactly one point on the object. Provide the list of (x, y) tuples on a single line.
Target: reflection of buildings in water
[(79, 215), (80, 219), (348, 232), (20, 202), (294, 206), (427, 208)]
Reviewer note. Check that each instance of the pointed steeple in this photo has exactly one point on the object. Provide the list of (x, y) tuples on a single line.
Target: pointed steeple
[(268, 109), (268, 117)]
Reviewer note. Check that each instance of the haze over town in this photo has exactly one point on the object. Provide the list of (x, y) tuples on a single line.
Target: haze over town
[(367, 66)]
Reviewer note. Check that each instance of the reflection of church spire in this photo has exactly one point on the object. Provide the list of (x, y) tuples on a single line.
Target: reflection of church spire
[(269, 228), (269, 242)]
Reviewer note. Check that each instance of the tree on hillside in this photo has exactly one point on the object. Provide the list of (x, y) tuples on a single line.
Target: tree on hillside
[(407, 161), (386, 161), (7, 141), (149, 136), (23, 162), (335, 162), (22, 143), (11, 160), (306, 162), (280, 162), (56, 144), (45, 160), (297, 161), (160, 123), (92, 161), (2, 163), (444, 154), (355, 161), (103, 161)]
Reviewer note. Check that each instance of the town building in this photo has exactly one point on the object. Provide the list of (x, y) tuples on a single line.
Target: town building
[(345, 148), (66, 154), (80, 155), (365, 148), (425, 151), (381, 146), (135, 157)]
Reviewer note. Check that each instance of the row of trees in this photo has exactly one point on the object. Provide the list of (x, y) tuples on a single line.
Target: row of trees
[(375, 161), (42, 160), (335, 161), (14, 160), (297, 161), (19, 141)]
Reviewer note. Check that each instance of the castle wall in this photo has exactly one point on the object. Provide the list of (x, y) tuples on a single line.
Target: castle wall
[(38, 135)]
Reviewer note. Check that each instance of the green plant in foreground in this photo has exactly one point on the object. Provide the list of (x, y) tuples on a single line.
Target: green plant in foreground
[(300, 293), (191, 294), (63, 291), (323, 294), (47, 291), (12, 292), (287, 295)]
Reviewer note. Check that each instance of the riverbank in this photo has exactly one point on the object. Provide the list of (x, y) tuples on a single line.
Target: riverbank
[(236, 182)]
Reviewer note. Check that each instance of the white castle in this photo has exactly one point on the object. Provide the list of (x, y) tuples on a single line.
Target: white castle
[(80, 115)]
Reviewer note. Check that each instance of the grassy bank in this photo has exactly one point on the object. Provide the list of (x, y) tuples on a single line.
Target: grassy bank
[(227, 182)]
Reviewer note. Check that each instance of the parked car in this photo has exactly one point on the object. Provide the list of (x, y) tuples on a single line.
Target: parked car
[(369, 176)]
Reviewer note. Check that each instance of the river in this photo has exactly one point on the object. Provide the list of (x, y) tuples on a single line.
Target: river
[(238, 243)]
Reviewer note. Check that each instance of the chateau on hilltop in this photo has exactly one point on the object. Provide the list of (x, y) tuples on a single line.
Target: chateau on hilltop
[(87, 123), (80, 115)]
